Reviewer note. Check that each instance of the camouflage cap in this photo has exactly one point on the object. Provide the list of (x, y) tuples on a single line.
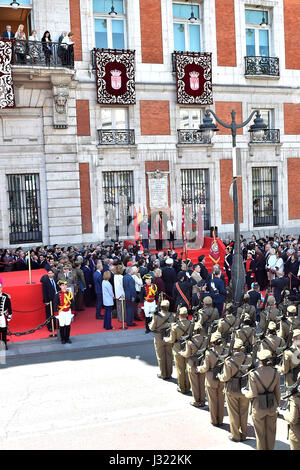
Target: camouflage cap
[(292, 309), (183, 311), (264, 354), (207, 300), (165, 303), (215, 336)]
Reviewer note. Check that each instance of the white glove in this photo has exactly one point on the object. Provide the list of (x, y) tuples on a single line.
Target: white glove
[(244, 391)]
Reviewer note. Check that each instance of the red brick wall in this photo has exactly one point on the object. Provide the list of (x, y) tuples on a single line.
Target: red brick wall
[(151, 31), (83, 117), (85, 198), (74, 7), (155, 117), (226, 202), (292, 33), (225, 25), (291, 118), (223, 110), (293, 168)]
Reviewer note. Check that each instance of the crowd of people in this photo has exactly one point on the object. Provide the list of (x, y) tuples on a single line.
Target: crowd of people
[(214, 344), (35, 49)]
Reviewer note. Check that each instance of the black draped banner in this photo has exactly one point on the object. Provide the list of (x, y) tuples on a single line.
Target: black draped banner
[(7, 95), (194, 78), (115, 76)]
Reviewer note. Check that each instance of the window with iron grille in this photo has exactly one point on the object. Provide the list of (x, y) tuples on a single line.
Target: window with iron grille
[(118, 195), (24, 208), (264, 196), (195, 194)]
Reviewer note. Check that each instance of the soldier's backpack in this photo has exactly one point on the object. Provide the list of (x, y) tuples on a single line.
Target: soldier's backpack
[(266, 400)]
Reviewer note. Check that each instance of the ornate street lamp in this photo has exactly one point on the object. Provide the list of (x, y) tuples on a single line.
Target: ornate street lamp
[(208, 127), (192, 18), (112, 12)]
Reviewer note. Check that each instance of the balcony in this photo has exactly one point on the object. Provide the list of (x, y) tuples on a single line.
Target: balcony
[(116, 137), (261, 67), (192, 137), (35, 54), (270, 136)]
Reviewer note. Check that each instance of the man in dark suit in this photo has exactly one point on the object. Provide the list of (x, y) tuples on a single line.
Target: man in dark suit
[(217, 290), (279, 284), (169, 277), (130, 295), (203, 270), (89, 282), (98, 291), (8, 34), (182, 291), (49, 288)]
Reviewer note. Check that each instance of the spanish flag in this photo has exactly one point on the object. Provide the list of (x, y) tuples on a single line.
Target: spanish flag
[(214, 253)]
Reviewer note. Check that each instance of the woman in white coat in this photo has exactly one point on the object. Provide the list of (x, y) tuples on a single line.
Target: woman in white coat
[(171, 229), (119, 292)]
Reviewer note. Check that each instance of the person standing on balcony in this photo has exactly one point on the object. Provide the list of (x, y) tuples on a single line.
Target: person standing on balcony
[(8, 34), (20, 44), (47, 47), (34, 47), (68, 54)]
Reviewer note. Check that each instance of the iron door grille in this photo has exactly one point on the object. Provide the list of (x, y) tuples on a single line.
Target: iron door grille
[(24, 208), (264, 196), (118, 194), (195, 192)]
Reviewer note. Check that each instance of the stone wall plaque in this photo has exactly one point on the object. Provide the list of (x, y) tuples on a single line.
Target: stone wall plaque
[(158, 185)]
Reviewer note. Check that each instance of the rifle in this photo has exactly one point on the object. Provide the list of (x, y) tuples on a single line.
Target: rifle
[(253, 362), (288, 344), (221, 359), (292, 390), (201, 353)]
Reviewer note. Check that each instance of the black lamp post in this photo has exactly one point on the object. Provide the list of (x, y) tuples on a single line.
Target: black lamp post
[(208, 127)]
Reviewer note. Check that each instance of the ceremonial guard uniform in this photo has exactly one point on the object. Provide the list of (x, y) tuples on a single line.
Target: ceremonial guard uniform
[(179, 329), (264, 393), (5, 314), (63, 304), (148, 296), (247, 309), (290, 366), (237, 403), (292, 416), (207, 316), (246, 333), (271, 313), (214, 388), (197, 380), (291, 322), (226, 324), (272, 342), (159, 324)]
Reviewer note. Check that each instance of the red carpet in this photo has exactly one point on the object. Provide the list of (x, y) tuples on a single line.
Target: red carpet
[(29, 311), (193, 254)]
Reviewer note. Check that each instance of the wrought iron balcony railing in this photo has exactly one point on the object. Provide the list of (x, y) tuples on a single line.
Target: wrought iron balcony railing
[(192, 136), (262, 66), (269, 136), (42, 54), (116, 137)]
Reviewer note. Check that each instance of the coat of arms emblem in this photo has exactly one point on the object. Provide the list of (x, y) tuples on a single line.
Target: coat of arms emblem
[(116, 80), (194, 81)]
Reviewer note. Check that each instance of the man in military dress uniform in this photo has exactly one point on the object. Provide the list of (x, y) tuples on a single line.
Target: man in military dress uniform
[(290, 366), (226, 324), (290, 321), (272, 342), (271, 313), (193, 346), (237, 403), (214, 388), (63, 306), (179, 329), (159, 324), (5, 314), (247, 308), (246, 333), (292, 416), (264, 393), (207, 315)]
